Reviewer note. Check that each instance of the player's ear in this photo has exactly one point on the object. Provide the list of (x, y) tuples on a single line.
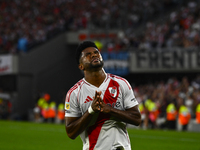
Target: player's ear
[(80, 66)]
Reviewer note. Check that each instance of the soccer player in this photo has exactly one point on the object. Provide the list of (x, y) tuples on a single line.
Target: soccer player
[(99, 106)]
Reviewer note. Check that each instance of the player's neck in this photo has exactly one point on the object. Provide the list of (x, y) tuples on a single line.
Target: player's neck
[(95, 78)]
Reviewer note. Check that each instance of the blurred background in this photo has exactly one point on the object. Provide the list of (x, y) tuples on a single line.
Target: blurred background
[(154, 44)]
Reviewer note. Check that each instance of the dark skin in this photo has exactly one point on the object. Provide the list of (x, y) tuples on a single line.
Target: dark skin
[(91, 63)]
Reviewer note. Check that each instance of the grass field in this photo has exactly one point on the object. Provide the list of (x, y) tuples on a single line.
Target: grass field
[(34, 136)]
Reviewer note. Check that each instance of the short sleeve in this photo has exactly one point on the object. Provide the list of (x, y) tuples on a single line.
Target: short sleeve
[(72, 108), (128, 95)]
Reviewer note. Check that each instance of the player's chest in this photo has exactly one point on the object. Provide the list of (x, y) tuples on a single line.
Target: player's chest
[(111, 95)]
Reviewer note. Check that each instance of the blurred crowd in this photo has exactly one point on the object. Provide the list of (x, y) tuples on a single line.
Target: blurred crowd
[(178, 28), (25, 24), (5, 105), (47, 110), (173, 101)]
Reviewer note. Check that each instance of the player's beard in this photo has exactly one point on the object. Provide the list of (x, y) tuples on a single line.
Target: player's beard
[(96, 65)]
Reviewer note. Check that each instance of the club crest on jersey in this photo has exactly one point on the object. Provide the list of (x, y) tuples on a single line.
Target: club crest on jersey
[(113, 91), (67, 105)]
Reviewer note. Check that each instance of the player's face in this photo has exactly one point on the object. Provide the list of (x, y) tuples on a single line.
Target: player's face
[(91, 59)]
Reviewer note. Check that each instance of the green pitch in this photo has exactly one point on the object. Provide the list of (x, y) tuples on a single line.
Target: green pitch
[(34, 136)]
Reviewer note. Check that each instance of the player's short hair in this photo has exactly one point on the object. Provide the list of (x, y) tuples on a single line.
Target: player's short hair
[(81, 47)]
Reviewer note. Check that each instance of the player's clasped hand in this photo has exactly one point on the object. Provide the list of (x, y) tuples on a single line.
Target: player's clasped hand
[(99, 105), (96, 101)]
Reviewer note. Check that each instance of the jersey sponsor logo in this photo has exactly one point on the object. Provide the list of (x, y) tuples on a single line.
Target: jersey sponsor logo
[(88, 99), (67, 105), (117, 104), (113, 91)]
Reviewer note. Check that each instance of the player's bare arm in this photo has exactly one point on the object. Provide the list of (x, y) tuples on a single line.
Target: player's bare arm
[(131, 115), (76, 125)]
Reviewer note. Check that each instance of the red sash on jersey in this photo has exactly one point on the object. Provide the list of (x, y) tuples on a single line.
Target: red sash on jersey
[(110, 98)]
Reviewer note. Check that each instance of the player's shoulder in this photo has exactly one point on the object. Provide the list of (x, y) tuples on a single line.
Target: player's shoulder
[(122, 81), (117, 78), (73, 90), (76, 86)]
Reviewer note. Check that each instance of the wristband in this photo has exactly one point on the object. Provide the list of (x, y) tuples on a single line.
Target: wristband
[(90, 110)]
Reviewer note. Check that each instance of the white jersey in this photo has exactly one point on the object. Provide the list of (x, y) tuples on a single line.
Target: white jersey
[(104, 132)]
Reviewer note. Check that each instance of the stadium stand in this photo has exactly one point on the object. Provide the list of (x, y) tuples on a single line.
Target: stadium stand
[(25, 25)]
